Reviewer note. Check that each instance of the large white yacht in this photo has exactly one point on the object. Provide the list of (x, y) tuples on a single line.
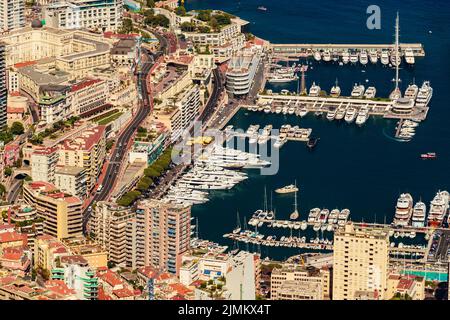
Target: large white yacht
[(358, 91), (370, 93), (363, 115), (384, 57), (317, 56), (326, 55), (354, 57), (403, 210), (340, 113), (345, 56), (350, 114), (363, 57), (424, 95), (335, 90), (409, 56), (419, 214), (373, 56), (411, 92), (438, 209), (314, 91)]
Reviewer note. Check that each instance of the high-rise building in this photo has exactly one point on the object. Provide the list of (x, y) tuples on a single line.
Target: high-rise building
[(3, 90), (361, 257), (12, 14), (71, 180), (164, 231), (62, 213), (109, 224), (43, 164)]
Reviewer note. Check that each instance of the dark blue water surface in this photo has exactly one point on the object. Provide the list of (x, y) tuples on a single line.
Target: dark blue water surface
[(363, 169)]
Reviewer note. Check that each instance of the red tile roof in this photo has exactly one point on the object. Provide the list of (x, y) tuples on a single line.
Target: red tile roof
[(84, 84), (12, 237)]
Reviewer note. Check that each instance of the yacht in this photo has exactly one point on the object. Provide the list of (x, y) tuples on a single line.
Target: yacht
[(303, 111), (294, 215), (331, 114), (280, 141), (409, 56), (231, 158), (363, 57), (345, 56), (354, 57), (384, 57), (424, 95), (317, 56), (373, 56), (358, 91), (323, 216), (343, 215), (395, 94), (314, 91), (363, 115), (350, 114), (313, 214), (291, 110), (287, 189), (316, 226), (335, 90), (395, 58), (335, 56), (411, 92), (252, 129), (281, 78), (419, 213), (370, 93), (403, 210), (326, 56), (253, 138), (265, 135), (333, 217), (278, 110), (438, 209), (267, 109), (340, 113)]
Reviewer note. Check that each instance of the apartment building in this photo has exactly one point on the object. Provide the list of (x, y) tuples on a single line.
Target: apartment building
[(97, 15), (72, 180), (241, 72), (12, 14), (95, 256), (26, 220), (108, 226), (53, 103), (88, 94), (361, 257), (43, 164), (293, 282), (62, 213), (3, 90), (164, 231), (86, 150), (47, 250)]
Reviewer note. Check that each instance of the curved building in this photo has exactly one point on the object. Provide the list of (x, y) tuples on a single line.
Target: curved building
[(241, 71)]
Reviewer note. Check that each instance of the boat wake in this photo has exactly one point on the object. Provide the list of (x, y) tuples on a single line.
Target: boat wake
[(391, 137)]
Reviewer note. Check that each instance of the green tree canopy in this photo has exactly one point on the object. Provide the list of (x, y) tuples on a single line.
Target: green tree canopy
[(17, 128)]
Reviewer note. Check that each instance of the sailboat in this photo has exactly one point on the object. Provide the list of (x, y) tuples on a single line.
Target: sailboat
[(238, 225), (396, 93), (294, 215)]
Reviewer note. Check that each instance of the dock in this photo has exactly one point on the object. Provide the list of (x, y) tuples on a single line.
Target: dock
[(376, 107), (305, 50)]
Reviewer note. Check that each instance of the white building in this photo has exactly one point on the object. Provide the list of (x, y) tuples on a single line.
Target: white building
[(90, 14), (43, 164), (241, 72), (188, 102), (12, 14), (71, 180)]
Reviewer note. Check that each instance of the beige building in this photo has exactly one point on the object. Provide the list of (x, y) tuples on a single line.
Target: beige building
[(86, 150), (361, 257), (405, 285), (71, 180), (43, 164), (93, 253), (62, 213), (300, 283)]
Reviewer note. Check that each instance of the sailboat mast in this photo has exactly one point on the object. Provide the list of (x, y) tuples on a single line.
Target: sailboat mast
[(397, 58)]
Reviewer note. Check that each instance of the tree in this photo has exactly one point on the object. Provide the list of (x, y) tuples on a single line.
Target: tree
[(204, 15), (180, 11), (150, 3), (223, 19), (17, 128), (187, 26), (8, 171), (214, 24), (127, 26)]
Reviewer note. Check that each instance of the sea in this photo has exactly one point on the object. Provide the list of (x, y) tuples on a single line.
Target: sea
[(361, 168)]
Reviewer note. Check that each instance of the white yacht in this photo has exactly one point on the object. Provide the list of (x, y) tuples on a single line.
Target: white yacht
[(438, 209), (333, 217), (419, 214), (411, 92), (252, 129), (335, 90), (363, 115), (314, 91), (343, 215), (265, 135), (354, 57), (280, 141), (403, 210), (317, 56), (384, 57), (331, 114), (303, 111), (278, 110), (267, 109), (291, 110), (363, 57), (281, 78), (358, 91), (340, 113), (373, 56), (424, 95), (345, 56), (395, 94), (323, 216), (409, 56), (350, 114), (395, 58), (370, 93), (313, 214), (231, 158), (326, 56)]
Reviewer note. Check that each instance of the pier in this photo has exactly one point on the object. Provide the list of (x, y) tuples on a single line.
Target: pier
[(305, 50), (376, 107)]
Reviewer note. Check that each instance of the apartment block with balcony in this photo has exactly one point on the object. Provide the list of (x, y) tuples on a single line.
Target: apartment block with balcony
[(43, 164)]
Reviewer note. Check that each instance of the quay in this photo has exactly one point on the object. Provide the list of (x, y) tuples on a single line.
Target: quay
[(305, 50), (376, 107)]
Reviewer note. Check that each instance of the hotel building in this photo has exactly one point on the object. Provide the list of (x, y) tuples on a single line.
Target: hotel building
[(361, 257)]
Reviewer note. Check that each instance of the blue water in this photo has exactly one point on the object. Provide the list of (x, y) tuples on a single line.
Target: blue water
[(363, 169)]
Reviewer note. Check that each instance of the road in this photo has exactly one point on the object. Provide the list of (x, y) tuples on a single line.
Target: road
[(119, 152)]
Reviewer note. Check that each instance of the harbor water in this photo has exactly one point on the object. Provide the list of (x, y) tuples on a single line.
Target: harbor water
[(363, 169)]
